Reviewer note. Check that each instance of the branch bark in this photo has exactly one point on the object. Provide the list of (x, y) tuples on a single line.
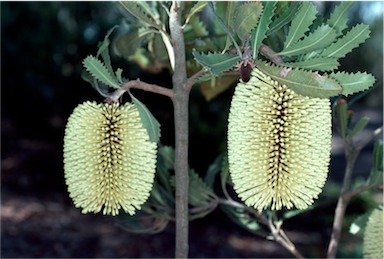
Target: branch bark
[(180, 102)]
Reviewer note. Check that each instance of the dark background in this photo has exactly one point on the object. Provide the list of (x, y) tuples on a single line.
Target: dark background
[(42, 47)]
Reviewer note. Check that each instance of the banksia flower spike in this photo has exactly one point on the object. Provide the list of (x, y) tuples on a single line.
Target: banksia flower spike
[(373, 235), (109, 161), (279, 144)]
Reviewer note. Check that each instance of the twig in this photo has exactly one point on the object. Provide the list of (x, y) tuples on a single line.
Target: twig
[(269, 53), (351, 153), (193, 79), (114, 97), (367, 140)]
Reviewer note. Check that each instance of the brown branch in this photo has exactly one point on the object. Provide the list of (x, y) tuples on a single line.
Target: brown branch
[(194, 78), (114, 97), (269, 53)]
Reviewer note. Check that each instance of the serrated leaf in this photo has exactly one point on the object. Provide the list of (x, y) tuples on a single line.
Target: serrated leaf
[(229, 14), (104, 50), (376, 175), (212, 171), (199, 193), (98, 70), (216, 63), (359, 126), (127, 44), (300, 23), (318, 63), (118, 74), (302, 82), (259, 33), (246, 18), (320, 38), (353, 83), (149, 121), (339, 17), (195, 9), (284, 18), (349, 41), (136, 9)]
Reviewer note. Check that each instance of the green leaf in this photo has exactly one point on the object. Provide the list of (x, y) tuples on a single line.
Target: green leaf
[(376, 175), (318, 63), (195, 9), (342, 117), (359, 126), (118, 74), (139, 9), (320, 38), (300, 23), (353, 83), (104, 50), (302, 82), (149, 121), (127, 44), (287, 16), (246, 18), (199, 193), (339, 17), (212, 171), (259, 33), (244, 219), (229, 14), (216, 63), (98, 70), (349, 41), (292, 213)]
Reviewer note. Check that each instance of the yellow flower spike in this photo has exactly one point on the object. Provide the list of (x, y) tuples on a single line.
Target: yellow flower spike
[(373, 235), (279, 144), (109, 161)]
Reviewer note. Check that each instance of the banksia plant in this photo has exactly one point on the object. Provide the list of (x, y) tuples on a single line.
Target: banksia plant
[(373, 235), (279, 144), (109, 161)]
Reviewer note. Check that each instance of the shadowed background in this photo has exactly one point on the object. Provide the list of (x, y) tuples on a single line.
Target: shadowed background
[(42, 47)]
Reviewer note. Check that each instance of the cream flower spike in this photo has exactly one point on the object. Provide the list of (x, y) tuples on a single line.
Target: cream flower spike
[(373, 235), (279, 144), (109, 161)]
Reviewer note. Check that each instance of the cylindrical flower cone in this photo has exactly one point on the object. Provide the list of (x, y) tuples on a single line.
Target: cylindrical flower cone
[(109, 161), (279, 144), (373, 235)]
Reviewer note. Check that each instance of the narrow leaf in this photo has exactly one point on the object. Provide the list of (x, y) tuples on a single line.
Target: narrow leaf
[(319, 64), (339, 17), (359, 126), (98, 70), (300, 23), (104, 50), (302, 82), (195, 9), (216, 63), (212, 171), (229, 14), (349, 41), (199, 193), (259, 33), (376, 176), (136, 9), (118, 74), (246, 18), (320, 38), (342, 117), (149, 121), (284, 18), (353, 83)]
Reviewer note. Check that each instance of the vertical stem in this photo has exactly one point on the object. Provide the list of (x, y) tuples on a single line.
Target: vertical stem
[(342, 203), (180, 102)]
